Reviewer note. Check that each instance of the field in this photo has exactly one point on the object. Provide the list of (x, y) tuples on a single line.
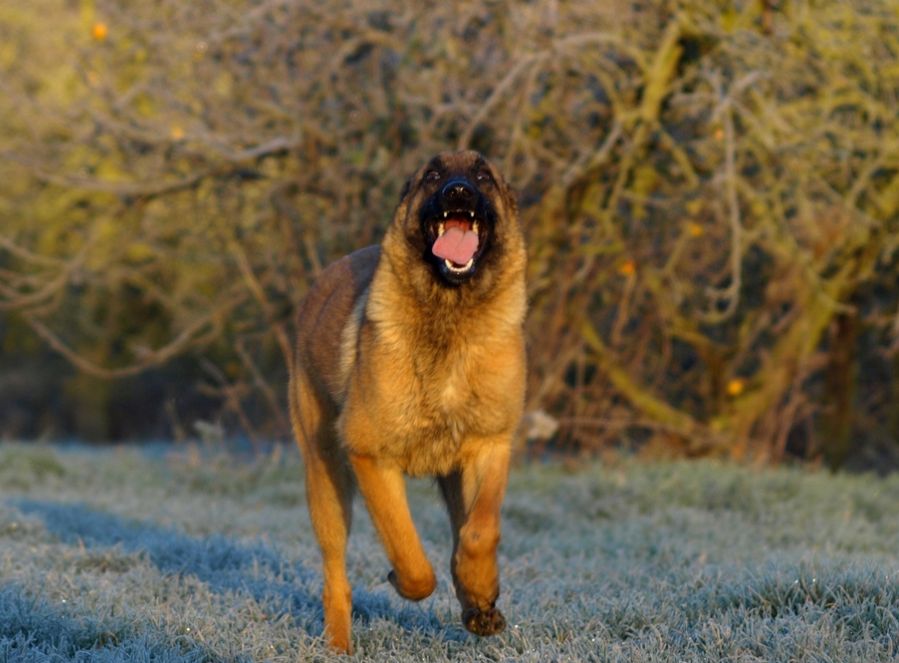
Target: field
[(186, 554)]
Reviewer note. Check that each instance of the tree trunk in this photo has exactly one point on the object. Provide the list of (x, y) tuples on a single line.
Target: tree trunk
[(839, 391)]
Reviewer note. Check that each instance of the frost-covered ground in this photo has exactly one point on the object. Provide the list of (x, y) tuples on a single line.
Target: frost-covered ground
[(124, 555)]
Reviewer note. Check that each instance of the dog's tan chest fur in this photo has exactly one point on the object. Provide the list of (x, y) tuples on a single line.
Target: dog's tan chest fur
[(432, 390)]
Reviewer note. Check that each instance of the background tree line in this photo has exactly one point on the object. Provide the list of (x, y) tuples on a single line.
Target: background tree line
[(710, 190)]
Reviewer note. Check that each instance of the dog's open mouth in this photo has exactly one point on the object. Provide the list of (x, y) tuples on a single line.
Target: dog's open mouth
[(457, 241)]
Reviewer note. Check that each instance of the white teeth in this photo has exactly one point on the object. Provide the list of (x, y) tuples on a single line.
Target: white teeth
[(458, 270), (441, 228), (445, 214), (474, 227), (471, 214)]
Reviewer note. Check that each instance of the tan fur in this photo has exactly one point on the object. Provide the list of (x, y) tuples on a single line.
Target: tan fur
[(397, 373)]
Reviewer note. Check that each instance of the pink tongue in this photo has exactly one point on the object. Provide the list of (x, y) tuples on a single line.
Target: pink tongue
[(457, 245)]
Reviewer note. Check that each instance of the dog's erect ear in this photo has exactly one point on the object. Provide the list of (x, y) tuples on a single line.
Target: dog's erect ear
[(511, 197), (405, 190)]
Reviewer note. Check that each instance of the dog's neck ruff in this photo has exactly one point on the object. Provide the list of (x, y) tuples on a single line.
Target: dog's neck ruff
[(412, 286)]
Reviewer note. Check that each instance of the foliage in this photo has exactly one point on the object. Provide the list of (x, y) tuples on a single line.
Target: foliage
[(711, 192), (120, 556)]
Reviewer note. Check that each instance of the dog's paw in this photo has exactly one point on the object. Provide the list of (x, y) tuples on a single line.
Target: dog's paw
[(484, 622), (417, 589)]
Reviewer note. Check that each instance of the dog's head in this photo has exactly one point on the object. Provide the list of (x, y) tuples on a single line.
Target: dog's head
[(460, 217)]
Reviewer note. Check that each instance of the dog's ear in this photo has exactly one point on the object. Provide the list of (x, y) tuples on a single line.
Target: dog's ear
[(509, 193), (405, 190)]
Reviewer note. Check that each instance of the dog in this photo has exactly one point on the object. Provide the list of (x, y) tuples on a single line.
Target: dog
[(410, 360)]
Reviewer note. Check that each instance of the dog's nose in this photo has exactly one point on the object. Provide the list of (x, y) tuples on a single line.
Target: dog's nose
[(458, 192)]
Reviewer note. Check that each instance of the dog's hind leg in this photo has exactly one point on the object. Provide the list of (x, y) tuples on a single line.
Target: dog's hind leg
[(329, 493), (473, 497)]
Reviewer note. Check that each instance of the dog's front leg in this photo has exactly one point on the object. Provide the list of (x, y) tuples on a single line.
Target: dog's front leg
[(473, 496), (383, 487)]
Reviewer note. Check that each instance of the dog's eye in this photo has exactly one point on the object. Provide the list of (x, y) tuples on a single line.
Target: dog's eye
[(433, 176), (484, 177)]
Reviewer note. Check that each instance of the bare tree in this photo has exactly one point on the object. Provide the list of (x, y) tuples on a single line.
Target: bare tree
[(710, 195)]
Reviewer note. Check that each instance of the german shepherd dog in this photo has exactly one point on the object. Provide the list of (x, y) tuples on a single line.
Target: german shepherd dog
[(410, 360)]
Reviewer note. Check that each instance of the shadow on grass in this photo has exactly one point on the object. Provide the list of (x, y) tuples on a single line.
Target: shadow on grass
[(224, 566), (33, 631)]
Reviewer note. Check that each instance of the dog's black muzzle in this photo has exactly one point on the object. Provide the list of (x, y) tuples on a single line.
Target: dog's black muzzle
[(459, 204)]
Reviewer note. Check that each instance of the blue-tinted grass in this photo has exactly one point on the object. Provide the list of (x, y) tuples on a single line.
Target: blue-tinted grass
[(182, 555)]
